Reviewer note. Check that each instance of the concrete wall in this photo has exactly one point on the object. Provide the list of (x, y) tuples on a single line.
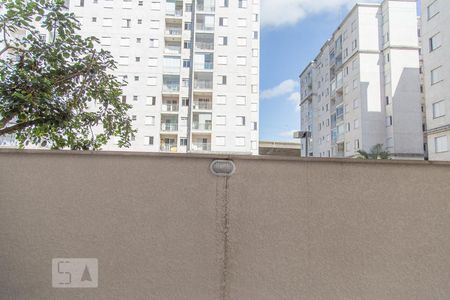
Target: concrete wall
[(163, 227)]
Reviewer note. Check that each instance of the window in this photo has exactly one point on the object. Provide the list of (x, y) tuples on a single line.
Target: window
[(138, 40), (188, 26), (150, 120), (154, 24), (242, 3), (125, 42), (152, 61), (105, 41), (94, 19), (439, 109), (353, 26), (136, 78), (255, 35), (220, 141), (187, 45), (222, 60), (254, 125), (441, 144), (221, 120), (221, 99), (135, 98), (151, 81), (354, 44), (355, 103), (241, 100), (436, 75), (123, 60), (222, 79), (134, 117), (432, 9), (126, 23), (240, 121), (435, 42), (154, 43), (124, 99), (356, 124), (188, 7), (356, 145), (388, 121), (388, 101), (223, 22), (139, 21), (185, 101), (81, 3), (240, 141), (107, 22), (186, 63), (137, 59), (223, 40), (140, 3), (355, 84), (148, 140), (242, 22), (156, 5), (242, 80), (242, 41), (183, 142), (241, 61)]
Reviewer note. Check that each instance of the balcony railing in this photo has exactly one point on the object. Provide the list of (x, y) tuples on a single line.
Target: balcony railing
[(174, 13), (203, 27), (196, 146), (168, 147), (173, 31), (170, 88), (203, 105), (205, 8), (169, 127), (202, 126), (204, 66), (170, 107), (172, 50), (204, 45), (203, 84)]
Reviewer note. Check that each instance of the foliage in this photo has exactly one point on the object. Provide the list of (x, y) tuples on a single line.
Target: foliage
[(376, 152), (57, 91)]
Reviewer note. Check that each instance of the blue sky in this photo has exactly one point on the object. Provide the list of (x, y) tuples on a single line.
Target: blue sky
[(293, 31)]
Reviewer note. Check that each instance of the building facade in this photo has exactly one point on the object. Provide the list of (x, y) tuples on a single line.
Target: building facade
[(190, 70), (363, 88), (436, 68)]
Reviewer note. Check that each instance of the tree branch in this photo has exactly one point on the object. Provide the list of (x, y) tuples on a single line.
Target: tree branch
[(17, 127)]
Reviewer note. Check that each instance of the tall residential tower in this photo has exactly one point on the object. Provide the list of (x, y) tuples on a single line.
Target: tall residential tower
[(436, 61), (363, 88), (191, 69)]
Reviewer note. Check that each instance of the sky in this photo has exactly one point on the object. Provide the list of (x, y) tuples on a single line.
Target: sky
[(292, 33)]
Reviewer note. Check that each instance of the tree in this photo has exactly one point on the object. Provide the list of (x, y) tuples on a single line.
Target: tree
[(57, 91), (376, 152)]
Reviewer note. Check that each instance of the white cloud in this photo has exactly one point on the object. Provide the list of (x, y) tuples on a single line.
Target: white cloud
[(284, 88), (295, 98), (276, 13)]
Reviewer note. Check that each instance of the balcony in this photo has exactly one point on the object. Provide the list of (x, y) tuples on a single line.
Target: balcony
[(207, 66), (201, 126), (171, 88), (174, 8), (205, 23), (169, 127), (202, 104), (204, 41), (172, 48), (170, 106), (201, 147), (203, 84), (173, 31), (171, 84), (205, 6)]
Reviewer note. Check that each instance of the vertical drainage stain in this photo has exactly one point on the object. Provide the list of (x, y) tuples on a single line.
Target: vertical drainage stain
[(223, 224)]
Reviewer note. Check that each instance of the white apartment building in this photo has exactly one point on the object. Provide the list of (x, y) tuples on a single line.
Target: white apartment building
[(436, 61), (191, 67), (363, 88), (190, 70)]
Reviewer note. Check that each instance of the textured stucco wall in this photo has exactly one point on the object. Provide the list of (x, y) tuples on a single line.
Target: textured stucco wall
[(163, 227)]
